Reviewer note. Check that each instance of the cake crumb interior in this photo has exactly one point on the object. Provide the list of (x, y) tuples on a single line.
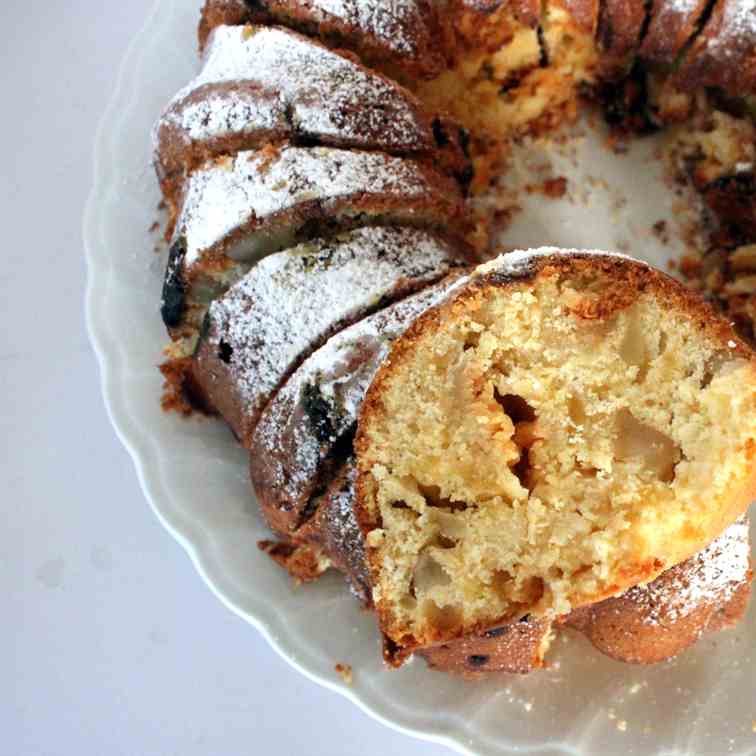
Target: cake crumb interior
[(547, 434)]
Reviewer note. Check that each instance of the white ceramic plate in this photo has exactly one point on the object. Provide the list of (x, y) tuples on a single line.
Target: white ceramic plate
[(194, 475)]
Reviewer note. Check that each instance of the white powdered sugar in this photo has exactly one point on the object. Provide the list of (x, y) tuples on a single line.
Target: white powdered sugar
[(221, 114), (395, 24), (292, 301), (709, 578), (737, 33), (520, 262), (670, 8), (257, 196), (341, 532), (321, 402), (283, 80)]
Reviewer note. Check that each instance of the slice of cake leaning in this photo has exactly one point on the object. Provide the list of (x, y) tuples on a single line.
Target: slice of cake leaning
[(565, 427)]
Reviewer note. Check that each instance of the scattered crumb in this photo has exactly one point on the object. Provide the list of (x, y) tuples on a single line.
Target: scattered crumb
[(611, 714), (635, 688), (528, 705), (555, 188), (345, 670), (154, 228), (162, 205), (753, 726), (622, 725), (175, 397), (661, 231), (690, 266)]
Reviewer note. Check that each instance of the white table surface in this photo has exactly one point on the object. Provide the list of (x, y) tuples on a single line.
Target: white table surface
[(109, 641)]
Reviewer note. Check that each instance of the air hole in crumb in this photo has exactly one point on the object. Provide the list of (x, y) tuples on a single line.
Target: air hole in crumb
[(531, 591), (433, 498), (399, 505), (518, 410), (521, 468), (225, 351), (444, 542), (472, 340), (497, 632), (638, 442), (523, 417)]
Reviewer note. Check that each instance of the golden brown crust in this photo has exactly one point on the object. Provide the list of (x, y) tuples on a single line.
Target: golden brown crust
[(629, 278), (648, 624), (517, 648)]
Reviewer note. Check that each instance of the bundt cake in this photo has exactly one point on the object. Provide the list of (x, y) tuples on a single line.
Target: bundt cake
[(316, 173), (543, 441), (255, 335), (400, 36), (305, 429), (262, 85)]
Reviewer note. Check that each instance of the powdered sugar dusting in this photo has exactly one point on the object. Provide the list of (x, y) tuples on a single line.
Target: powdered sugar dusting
[(395, 23), (321, 402), (519, 262), (711, 577), (738, 30), (292, 301), (260, 195), (225, 113), (285, 81), (342, 533)]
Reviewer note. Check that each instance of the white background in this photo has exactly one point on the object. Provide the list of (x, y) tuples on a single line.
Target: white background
[(109, 641)]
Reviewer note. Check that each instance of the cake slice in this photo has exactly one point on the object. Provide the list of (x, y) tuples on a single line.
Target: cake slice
[(723, 55), (671, 25), (648, 624), (618, 36), (707, 593), (287, 306), (403, 35), (260, 85), (238, 209), (306, 431), (565, 427)]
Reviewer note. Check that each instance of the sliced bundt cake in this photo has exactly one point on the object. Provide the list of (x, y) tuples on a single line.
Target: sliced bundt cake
[(289, 304), (402, 36), (650, 623), (260, 85), (238, 209), (565, 427), (306, 431)]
